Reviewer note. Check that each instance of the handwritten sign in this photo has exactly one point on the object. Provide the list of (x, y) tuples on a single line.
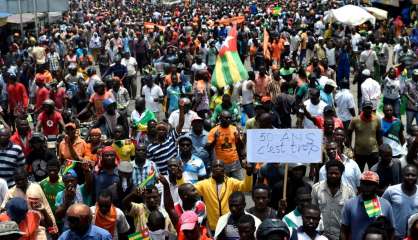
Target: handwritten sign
[(284, 145)]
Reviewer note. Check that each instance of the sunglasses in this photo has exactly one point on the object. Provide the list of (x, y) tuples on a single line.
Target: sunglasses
[(72, 219)]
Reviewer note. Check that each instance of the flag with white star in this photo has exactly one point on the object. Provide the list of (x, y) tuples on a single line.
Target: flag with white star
[(228, 68)]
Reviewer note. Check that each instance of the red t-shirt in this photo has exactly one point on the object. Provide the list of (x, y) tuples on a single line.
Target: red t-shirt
[(42, 94), (58, 97), (50, 123), (320, 122)]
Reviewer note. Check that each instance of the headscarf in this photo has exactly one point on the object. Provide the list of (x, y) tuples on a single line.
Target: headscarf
[(104, 150), (107, 221)]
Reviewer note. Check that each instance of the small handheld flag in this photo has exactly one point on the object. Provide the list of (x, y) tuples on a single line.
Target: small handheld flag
[(139, 236), (150, 180), (373, 208)]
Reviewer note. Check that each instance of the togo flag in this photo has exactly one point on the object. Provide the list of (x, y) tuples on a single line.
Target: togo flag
[(229, 68)]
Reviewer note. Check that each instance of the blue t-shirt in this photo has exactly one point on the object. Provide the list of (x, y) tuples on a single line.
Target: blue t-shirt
[(403, 207), (355, 217), (94, 233)]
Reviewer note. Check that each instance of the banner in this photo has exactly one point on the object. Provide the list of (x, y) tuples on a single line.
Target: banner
[(284, 145), (227, 21), (151, 26)]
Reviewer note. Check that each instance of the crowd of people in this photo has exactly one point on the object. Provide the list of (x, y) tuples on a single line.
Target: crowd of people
[(111, 127)]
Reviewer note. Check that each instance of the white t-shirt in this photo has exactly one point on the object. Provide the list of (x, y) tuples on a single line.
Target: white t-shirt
[(130, 64), (150, 95), (121, 225), (345, 101), (198, 67), (188, 117), (370, 91), (314, 110), (247, 94), (330, 52)]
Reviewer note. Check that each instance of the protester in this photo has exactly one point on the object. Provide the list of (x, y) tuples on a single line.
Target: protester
[(209, 77)]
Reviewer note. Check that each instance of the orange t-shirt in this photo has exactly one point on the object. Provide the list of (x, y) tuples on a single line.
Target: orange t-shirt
[(225, 148), (97, 101), (79, 145)]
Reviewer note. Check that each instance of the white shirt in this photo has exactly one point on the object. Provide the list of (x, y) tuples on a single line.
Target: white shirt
[(370, 91), (121, 225), (330, 52), (188, 117), (197, 67), (351, 175), (304, 236), (344, 101), (247, 94), (150, 95), (130, 64), (314, 110), (3, 189)]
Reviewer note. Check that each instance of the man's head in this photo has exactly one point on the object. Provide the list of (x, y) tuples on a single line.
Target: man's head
[(339, 135), (329, 126), (413, 225), (369, 182), (108, 158), (185, 146), (71, 130), (152, 198), (188, 193), (331, 149), (95, 135), (104, 202), (226, 101), (21, 178), (140, 104), (314, 96), (385, 153), (261, 196), (4, 137), (388, 111), (218, 170), (236, 204), (189, 225), (22, 126), (70, 179), (409, 175), (225, 119), (303, 198), (367, 108), (266, 120), (79, 218), (197, 125), (16, 209), (415, 75), (99, 87), (162, 130), (273, 229), (175, 168), (335, 170), (140, 154), (246, 227), (297, 171), (311, 215), (53, 167), (48, 106)]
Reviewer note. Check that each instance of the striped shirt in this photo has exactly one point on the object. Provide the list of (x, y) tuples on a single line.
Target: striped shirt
[(160, 153), (193, 169), (139, 174), (11, 158)]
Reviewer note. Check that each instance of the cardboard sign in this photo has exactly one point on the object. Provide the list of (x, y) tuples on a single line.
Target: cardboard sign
[(284, 145)]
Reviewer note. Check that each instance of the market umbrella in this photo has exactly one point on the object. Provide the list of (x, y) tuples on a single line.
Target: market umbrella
[(349, 15)]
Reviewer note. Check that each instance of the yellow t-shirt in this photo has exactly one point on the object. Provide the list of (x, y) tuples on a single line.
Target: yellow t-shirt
[(225, 148), (126, 151)]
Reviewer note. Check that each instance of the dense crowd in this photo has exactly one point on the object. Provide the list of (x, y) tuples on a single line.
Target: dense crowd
[(113, 125)]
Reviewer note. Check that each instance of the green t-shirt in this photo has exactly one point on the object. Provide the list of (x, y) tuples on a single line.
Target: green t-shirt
[(51, 190)]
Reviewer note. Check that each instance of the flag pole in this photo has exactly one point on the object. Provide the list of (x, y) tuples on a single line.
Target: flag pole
[(286, 169)]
